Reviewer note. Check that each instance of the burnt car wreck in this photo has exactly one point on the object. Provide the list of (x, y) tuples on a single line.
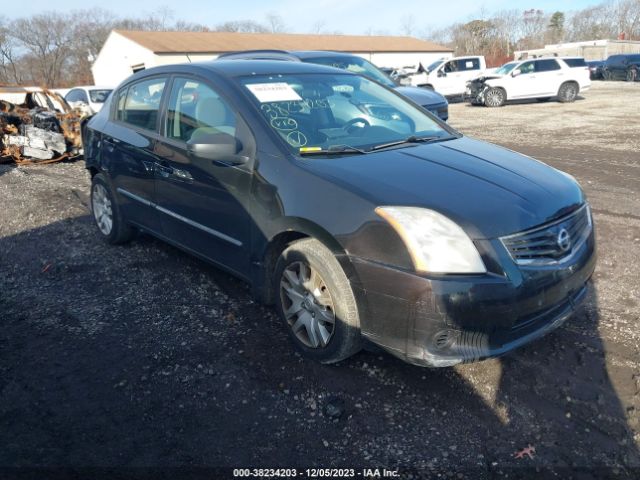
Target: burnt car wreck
[(37, 126)]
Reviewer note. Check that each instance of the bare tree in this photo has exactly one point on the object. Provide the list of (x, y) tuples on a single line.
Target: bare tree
[(275, 23), (407, 25), (242, 26), (49, 40)]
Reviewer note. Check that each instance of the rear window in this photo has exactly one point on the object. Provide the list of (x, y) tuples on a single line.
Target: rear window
[(469, 64), (546, 65), (140, 104), (575, 62)]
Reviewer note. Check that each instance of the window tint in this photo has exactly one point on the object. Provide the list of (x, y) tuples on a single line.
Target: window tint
[(527, 67), (469, 64), (575, 62), (76, 95), (451, 66), (141, 104), (99, 96), (547, 65), (195, 112)]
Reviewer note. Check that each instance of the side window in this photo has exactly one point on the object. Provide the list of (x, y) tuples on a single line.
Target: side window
[(527, 67), (73, 95), (195, 112), (469, 64), (547, 65), (142, 103), (120, 98), (451, 66), (82, 95)]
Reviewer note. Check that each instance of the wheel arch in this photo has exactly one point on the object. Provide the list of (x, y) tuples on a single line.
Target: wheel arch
[(288, 231)]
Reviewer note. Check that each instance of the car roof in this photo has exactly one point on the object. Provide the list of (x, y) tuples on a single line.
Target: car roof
[(293, 55), (239, 68)]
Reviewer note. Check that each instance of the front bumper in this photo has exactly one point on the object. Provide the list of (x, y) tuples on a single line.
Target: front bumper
[(449, 319)]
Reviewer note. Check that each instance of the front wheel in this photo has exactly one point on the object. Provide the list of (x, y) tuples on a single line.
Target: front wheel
[(567, 92), (632, 75), (316, 302), (495, 97)]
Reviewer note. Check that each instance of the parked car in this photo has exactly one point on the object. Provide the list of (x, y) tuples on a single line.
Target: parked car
[(450, 77), (596, 69), (432, 101), (356, 213), (622, 67), (541, 78), (88, 98)]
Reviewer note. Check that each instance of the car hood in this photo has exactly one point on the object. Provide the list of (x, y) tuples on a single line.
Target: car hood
[(422, 96), (489, 190)]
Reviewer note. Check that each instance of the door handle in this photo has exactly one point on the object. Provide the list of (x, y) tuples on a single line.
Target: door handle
[(164, 170)]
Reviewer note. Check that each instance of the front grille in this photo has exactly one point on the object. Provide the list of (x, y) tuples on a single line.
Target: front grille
[(552, 243)]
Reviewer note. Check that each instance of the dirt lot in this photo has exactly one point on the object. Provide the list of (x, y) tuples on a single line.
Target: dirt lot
[(141, 356)]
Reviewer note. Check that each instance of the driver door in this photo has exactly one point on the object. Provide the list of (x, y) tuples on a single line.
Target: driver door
[(203, 202)]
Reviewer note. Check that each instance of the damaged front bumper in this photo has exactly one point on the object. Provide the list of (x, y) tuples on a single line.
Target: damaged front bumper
[(444, 320), (476, 90)]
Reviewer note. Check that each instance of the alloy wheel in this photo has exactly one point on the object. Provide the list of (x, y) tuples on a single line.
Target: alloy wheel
[(101, 206), (307, 305), (494, 97)]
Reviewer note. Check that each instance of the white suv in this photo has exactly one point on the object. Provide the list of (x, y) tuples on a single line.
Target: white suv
[(540, 78)]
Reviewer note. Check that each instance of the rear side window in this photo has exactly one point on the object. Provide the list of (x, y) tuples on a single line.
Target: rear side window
[(469, 64), (77, 95), (575, 62), (547, 65), (195, 112), (139, 104)]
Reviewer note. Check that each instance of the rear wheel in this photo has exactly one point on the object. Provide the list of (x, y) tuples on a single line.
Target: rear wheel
[(568, 92), (632, 75), (495, 97), (106, 212), (316, 302)]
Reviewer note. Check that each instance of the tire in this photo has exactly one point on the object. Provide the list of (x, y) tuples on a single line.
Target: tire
[(632, 75), (543, 99), (568, 92), (606, 75), (311, 289), (107, 215), (495, 97)]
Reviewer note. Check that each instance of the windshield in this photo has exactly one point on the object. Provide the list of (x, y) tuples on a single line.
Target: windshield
[(434, 65), (318, 112), (99, 96), (356, 65), (506, 68)]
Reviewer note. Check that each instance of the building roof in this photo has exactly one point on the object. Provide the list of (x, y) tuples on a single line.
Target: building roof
[(219, 42)]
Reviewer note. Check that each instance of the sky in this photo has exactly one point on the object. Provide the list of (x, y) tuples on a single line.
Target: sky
[(346, 16)]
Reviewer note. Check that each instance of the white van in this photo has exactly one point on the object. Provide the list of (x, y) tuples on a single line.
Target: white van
[(450, 77)]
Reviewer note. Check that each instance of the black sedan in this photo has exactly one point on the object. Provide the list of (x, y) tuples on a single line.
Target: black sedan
[(360, 215)]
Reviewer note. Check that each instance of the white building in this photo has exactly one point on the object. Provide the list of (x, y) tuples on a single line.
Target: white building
[(126, 52), (590, 49)]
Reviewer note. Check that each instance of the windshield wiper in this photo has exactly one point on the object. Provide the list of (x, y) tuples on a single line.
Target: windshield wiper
[(333, 150), (410, 139)]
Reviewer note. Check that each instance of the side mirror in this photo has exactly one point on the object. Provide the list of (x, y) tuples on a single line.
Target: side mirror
[(218, 147), (441, 73), (516, 72)]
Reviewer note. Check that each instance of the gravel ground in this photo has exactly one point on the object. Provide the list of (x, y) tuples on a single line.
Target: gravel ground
[(141, 356)]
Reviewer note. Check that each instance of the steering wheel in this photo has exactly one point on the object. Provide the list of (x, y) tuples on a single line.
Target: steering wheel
[(348, 127)]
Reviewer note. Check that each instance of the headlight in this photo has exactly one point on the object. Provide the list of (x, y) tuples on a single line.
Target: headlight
[(435, 243)]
